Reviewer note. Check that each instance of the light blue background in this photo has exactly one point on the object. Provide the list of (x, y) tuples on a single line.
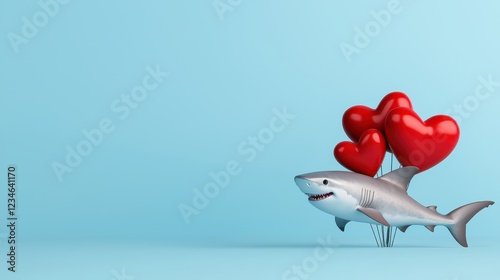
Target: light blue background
[(226, 78)]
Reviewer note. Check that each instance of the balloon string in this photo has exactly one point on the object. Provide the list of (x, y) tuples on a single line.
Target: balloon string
[(383, 235), (386, 231), (374, 236), (392, 159), (394, 237), (388, 239), (378, 232)]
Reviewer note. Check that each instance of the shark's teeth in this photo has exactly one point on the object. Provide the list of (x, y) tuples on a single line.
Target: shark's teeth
[(316, 197)]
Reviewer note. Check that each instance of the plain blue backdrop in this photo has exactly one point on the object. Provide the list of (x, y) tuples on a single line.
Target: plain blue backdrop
[(229, 71)]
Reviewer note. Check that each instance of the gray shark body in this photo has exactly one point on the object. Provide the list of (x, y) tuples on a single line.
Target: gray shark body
[(384, 201)]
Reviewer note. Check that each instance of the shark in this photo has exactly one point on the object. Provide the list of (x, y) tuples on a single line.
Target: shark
[(384, 201)]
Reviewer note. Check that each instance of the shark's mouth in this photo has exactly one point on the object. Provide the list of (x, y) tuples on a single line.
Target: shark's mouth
[(316, 197)]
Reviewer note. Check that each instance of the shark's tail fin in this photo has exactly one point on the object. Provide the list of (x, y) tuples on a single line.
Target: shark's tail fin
[(461, 216)]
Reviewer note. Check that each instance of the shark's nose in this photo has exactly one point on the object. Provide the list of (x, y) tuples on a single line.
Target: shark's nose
[(305, 185), (301, 181)]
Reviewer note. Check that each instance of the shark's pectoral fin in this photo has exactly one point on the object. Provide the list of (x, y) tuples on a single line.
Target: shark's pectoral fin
[(403, 228), (374, 215), (341, 223)]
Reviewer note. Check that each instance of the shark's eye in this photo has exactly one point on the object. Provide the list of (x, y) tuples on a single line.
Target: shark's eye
[(325, 182)]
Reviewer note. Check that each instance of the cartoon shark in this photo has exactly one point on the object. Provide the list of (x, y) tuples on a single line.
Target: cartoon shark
[(383, 201)]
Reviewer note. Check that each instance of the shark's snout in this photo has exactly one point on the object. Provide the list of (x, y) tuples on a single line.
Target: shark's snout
[(311, 188), (303, 183), (301, 179)]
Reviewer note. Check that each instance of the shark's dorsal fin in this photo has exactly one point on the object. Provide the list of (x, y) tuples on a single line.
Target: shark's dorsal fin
[(374, 215), (401, 177), (341, 223)]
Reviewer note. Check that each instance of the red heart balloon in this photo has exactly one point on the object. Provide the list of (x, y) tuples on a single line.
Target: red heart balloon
[(418, 143), (358, 119), (364, 157)]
